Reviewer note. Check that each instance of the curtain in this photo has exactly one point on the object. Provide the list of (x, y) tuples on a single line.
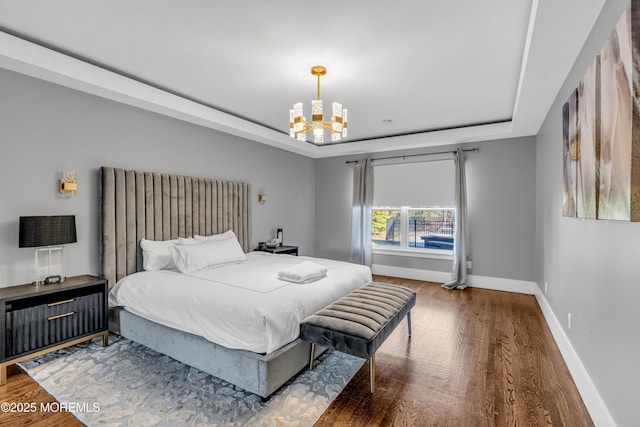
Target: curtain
[(459, 273), (360, 251)]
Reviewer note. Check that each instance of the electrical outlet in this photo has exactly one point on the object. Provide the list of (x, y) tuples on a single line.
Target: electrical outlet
[(546, 287), (569, 321), (468, 265)]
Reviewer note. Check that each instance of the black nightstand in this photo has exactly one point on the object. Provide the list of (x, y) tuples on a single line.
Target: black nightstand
[(35, 320), (291, 250)]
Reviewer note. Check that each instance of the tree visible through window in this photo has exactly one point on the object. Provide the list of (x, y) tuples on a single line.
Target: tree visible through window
[(386, 227)]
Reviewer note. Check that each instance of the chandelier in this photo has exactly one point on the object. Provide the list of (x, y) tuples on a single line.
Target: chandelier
[(298, 124)]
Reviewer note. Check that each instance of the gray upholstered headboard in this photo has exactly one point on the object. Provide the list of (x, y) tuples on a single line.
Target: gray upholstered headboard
[(158, 206)]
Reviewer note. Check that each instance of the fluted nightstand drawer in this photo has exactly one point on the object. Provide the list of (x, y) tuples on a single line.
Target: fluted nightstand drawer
[(35, 327)]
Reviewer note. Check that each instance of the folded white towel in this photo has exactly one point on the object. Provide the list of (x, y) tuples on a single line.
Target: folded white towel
[(304, 272)]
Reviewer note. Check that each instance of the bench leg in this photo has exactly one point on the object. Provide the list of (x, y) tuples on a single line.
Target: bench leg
[(409, 322), (372, 372), (313, 356)]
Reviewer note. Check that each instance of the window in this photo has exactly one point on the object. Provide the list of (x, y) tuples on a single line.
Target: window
[(413, 228), (386, 227), (413, 207)]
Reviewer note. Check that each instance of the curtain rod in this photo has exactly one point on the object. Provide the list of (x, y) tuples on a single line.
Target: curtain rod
[(413, 155)]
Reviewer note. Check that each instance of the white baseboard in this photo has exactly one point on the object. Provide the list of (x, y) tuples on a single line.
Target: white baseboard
[(411, 273), (598, 410), (484, 282), (499, 284)]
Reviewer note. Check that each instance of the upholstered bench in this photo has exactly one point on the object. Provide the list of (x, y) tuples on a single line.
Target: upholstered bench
[(359, 322)]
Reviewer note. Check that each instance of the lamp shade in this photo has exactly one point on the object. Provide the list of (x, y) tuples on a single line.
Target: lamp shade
[(38, 231)]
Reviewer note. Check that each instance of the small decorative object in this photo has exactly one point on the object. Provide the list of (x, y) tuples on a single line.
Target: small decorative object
[(298, 124), (262, 197), (69, 184), (280, 236), (44, 233), (262, 245)]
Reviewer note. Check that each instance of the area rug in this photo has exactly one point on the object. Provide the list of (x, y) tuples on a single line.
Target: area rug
[(127, 384)]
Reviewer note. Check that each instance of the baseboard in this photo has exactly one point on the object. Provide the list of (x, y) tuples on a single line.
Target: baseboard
[(411, 273), (500, 284), (484, 282), (598, 410)]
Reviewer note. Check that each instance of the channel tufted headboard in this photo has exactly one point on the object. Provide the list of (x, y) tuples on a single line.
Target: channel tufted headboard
[(156, 206)]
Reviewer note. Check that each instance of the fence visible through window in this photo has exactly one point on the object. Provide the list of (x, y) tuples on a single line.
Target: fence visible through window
[(426, 228)]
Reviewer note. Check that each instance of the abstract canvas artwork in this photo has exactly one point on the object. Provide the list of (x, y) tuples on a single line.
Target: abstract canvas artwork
[(570, 153), (601, 131)]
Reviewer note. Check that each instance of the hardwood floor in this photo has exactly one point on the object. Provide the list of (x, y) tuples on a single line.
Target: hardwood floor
[(476, 358), (22, 391)]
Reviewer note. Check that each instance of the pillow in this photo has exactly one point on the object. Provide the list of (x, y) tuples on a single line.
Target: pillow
[(215, 253), (155, 254), (188, 241), (229, 234)]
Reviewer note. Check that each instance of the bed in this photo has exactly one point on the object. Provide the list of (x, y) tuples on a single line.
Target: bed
[(246, 331)]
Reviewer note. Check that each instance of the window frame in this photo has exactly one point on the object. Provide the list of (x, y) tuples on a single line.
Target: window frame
[(404, 249)]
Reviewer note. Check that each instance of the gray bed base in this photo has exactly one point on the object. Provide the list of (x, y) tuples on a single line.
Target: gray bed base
[(257, 373)]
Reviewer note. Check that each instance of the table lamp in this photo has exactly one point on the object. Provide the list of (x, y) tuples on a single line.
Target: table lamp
[(45, 233)]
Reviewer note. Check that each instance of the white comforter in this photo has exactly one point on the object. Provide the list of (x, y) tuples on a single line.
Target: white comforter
[(240, 306)]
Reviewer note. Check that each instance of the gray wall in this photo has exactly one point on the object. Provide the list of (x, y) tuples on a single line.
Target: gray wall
[(46, 129), (501, 203), (333, 189), (591, 266)]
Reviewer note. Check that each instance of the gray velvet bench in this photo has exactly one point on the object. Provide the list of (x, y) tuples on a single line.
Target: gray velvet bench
[(359, 322)]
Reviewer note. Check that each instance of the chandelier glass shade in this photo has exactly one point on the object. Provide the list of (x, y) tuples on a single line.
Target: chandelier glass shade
[(299, 126)]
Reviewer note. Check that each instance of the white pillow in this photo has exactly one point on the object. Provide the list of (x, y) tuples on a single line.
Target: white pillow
[(229, 234), (188, 241), (155, 254), (215, 253)]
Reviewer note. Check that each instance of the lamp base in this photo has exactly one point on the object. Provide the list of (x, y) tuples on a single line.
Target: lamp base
[(49, 276)]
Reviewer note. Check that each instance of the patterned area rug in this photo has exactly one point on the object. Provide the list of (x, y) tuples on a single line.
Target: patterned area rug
[(127, 384)]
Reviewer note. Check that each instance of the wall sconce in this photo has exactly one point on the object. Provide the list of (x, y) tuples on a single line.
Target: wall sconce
[(69, 184), (262, 197)]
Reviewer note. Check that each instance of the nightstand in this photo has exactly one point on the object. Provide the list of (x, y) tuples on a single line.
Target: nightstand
[(36, 320), (291, 250)]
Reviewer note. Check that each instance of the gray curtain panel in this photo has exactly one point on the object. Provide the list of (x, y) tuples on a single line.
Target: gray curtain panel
[(459, 273), (361, 213), (156, 206)]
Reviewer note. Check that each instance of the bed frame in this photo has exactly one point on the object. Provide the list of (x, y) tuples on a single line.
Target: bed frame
[(136, 205)]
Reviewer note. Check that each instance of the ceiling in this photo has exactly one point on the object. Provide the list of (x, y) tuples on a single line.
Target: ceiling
[(412, 73)]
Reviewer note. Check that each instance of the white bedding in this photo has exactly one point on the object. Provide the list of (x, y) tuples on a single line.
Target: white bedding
[(240, 306)]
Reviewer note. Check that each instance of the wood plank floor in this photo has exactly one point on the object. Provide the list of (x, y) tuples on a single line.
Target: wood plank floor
[(476, 358), (23, 391)]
